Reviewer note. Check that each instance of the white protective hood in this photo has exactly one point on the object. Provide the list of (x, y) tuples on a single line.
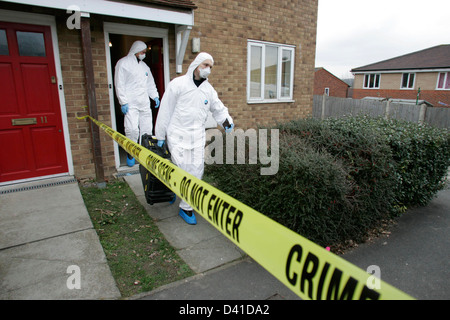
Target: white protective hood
[(197, 61), (136, 47), (182, 117), (184, 109), (134, 81)]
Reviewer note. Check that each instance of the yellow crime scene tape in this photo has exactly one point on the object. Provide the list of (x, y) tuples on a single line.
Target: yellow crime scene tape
[(309, 270)]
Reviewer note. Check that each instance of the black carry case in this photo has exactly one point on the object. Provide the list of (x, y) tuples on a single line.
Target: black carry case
[(155, 191)]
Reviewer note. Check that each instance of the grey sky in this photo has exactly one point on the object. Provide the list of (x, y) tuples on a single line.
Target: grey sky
[(354, 33)]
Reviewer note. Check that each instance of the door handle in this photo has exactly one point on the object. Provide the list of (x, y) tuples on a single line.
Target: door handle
[(23, 121)]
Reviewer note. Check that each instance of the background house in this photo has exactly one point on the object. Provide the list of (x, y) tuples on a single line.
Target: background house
[(423, 74), (327, 83), (56, 57)]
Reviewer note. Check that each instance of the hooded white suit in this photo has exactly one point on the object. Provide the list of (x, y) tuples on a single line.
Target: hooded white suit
[(182, 117), (134, 85)]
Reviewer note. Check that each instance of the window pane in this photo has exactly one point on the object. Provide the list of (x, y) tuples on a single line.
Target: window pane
[(270, 79), (405, 80), (377, 81), (411, 80), (286, 73), (447, 83), (4, 51), (441, 80), (255, 72), (371, 80), (31, 44)]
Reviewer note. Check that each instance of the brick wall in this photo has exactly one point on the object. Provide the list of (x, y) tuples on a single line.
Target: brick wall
[(324, 79), (224, 28), (75, 91), (76, 97), (432, 96), (426, 81)]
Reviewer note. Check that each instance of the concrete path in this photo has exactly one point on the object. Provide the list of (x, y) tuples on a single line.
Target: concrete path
[(48, 243)]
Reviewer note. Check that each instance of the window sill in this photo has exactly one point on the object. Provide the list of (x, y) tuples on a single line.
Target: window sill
[(269, 101)]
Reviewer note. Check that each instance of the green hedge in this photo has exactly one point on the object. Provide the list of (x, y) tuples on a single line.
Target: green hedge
[(339, 178), (421, 155)]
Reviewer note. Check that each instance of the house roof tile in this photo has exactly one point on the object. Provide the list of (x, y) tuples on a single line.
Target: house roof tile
[(322, 68), (431, 58)]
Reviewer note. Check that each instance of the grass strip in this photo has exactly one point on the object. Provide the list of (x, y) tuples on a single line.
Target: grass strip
[(139, 256)]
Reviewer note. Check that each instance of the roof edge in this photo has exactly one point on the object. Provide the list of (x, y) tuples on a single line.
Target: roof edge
[(322, 68), (369, 67), (178, 4)]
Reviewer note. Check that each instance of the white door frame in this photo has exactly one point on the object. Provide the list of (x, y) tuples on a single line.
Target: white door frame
[(46, 20), (132, 30)]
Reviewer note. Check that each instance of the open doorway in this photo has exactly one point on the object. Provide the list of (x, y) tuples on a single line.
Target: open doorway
[(119, 45)]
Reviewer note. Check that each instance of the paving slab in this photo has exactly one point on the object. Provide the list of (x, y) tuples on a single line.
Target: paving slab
[(48, 244), (201, 246)]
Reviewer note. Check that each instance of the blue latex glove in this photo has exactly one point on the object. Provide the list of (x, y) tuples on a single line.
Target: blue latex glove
[(229, 128), (157, 103), (125, 108), (160, 143)]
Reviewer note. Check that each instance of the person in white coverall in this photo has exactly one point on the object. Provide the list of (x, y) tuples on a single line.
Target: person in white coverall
[(182, 118), (134, 85)]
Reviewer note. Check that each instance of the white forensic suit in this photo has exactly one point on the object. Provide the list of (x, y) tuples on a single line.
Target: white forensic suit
[(182, 117), (134, 85)]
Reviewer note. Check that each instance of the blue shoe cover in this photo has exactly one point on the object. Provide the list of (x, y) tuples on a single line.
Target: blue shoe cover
[(174, 199), (131, 162), (187, 218)]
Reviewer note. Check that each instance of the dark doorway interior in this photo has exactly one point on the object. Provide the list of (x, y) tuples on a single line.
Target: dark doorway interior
[(119, 46)]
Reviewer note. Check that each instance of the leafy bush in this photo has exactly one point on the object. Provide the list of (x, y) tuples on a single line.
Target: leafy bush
[(341, 177), (365, 155), (309, 185), (422, 156)]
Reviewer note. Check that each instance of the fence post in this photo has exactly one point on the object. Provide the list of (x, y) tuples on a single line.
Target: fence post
[(423, 111), (388, 108), (323, 106)]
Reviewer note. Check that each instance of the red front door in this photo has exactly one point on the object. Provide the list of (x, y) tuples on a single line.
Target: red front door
[(31, 132)]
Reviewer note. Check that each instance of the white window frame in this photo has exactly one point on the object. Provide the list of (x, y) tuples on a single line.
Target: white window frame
[(281, 47), (409, 77), (372, 75), (326, 91), (447, 74)]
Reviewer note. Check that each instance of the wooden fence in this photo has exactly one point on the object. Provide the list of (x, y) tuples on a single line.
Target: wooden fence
[(325, 107)]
